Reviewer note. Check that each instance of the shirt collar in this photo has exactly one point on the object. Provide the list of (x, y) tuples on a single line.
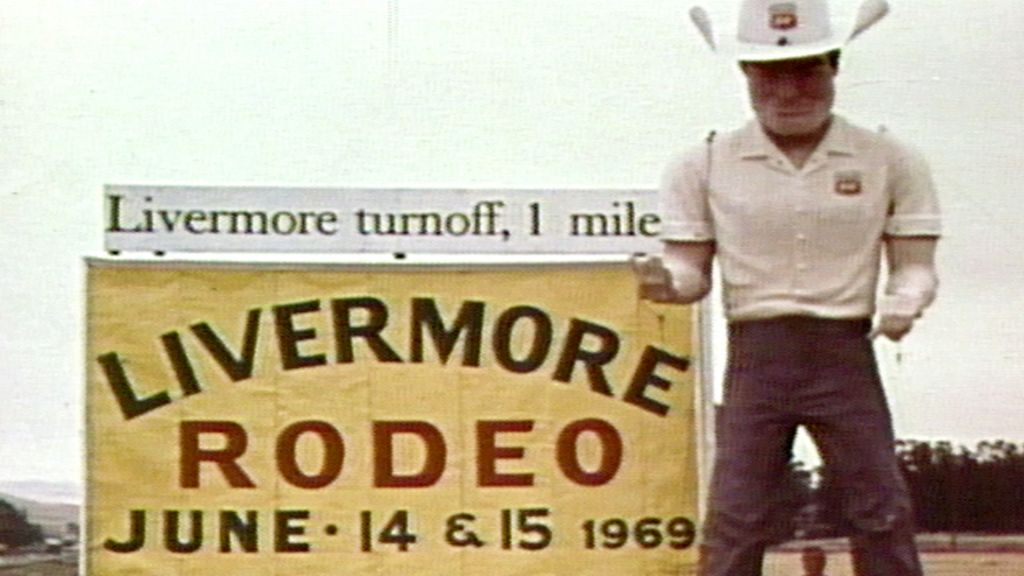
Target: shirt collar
[(754, 143)]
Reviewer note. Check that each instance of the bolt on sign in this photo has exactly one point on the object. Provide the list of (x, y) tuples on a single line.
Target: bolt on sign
[(485, 420)]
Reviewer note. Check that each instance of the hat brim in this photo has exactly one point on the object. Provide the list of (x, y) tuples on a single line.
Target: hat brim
[(745, 52)]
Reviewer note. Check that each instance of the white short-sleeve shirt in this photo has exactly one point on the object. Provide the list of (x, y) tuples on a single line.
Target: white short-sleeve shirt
[(799, 241)]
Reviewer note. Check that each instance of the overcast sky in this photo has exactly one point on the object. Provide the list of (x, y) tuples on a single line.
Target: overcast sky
[(470, 93)]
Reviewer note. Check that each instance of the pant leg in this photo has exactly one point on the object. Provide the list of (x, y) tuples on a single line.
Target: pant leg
[(850, 421), (754, 436), (751, 458)]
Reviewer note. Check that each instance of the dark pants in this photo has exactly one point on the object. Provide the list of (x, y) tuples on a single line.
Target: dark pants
[(821, 374)]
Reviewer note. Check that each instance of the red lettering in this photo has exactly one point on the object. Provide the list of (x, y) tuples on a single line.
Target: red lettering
[(384, 475), (568, 454), (333, 454), (488, 453), (192, 454)]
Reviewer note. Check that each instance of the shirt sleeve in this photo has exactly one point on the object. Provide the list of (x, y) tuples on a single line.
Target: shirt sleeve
[(685, 214), (914, 204)]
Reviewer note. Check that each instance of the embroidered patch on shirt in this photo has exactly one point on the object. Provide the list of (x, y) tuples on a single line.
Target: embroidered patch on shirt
[(782, 16), (848, 182)]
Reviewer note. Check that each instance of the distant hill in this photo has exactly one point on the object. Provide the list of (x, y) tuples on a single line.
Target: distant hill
[(43, 491), (53, 518)]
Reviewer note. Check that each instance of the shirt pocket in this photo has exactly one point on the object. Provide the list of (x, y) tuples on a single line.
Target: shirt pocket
[(845, 222)]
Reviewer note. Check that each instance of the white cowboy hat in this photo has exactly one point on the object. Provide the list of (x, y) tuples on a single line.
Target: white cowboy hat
[(787, 29)]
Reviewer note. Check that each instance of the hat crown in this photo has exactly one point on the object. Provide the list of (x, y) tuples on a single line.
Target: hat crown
[(788, 29), (783, 22)]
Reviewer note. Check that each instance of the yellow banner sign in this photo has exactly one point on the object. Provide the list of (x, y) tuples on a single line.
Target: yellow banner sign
[(259, 420)]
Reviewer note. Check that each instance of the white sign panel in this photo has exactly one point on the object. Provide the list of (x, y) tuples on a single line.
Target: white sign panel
[(348, 220)]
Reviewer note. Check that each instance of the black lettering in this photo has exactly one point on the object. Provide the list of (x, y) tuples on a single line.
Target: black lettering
[(114, 213), (361, 222), (322, 221), (192, 217), (169, 218), (593, 360), (183, 369), (131, 405), (650, 225), (288, 336), (540, 345), (276, 225), (240, 367), (588, 224), (136, 534), (244, 531), (425, 315), (287, 526), (172, 532), (645, 376), (345, 331)]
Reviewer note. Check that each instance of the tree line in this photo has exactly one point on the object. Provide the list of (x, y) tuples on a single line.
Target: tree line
[(15, 529), (954, 489)]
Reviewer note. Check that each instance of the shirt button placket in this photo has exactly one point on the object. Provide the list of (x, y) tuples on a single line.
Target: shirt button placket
[(805, 221), (800, 241)]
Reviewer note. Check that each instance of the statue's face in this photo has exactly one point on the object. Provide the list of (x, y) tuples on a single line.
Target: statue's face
[(791, 97)]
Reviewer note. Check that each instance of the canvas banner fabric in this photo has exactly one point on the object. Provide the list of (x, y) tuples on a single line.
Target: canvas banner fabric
[(481, 420)]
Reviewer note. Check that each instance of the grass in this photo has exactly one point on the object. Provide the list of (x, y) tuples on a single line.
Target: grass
[(935, 564), (932, 543), (44, 568)]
